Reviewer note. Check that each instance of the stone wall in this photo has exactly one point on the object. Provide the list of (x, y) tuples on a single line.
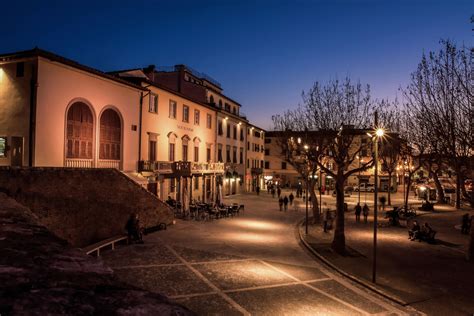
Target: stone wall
[(40, 274), (83, 206)]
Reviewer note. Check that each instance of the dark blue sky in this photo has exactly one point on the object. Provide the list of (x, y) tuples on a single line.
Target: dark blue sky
[(263, 52)]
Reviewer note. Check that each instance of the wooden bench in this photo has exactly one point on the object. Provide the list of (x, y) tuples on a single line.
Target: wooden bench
[(95, 248)]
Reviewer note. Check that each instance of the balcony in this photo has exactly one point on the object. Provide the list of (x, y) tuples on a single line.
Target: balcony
[(180, 168), (256, 171)]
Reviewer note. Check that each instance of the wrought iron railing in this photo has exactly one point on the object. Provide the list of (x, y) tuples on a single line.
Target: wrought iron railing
[(79, 163), (184, 168)]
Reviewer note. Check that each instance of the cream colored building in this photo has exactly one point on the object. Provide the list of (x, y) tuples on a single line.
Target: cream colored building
[(254, 171), (55, 112)]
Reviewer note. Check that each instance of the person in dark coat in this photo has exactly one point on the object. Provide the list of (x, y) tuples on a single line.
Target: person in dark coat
[(257, 190), (414, 232), (365, 211), (465, 223), (280, 203), (285, 202), (358, 210), (291, 197), (133, 229), (279, 192)]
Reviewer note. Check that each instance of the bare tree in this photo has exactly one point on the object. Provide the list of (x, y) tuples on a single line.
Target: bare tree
[(441, 104), (332, 122)]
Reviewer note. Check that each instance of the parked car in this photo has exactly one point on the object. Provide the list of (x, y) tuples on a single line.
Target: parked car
[(365, 187), (347, 191)]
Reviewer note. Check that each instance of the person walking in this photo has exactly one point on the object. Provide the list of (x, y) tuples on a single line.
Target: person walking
[(365, 211), (279, 192), (273, 192), (280, 203), (285, 203), (291, 197), (325, 217), (358, 210), (257, 190), (465, 221)]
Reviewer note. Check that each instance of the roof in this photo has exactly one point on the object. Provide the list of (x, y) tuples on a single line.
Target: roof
[(37, 52)]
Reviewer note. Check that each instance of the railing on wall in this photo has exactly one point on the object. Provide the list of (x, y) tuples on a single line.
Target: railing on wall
[(79, 163), (108, 164), (183, 168)]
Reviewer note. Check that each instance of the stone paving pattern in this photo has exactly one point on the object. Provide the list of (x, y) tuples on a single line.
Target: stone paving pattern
[(248, 264)]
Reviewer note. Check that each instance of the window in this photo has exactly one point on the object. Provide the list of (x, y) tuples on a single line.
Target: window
[(268, 140), (248, 145), (256, 134), (228, 130), (171, 152), (241, 134), (220, 104), (248, 163), (172, 109), (196, 117), (234, 110), (267, 164), (219, 153), (262, 149), (234, 155), (152, 150), (220, 130), (209, 121), (211, 100), (235, 132), (283, 165), (153, 106), (267, 152), (79, 130), (227, 107), (208, 154), (110, 135), (185, 152), (241, 160), (227, 152), (196, 183), (196, 153), (261, 163), (3, 147), (185, 113), (20, 69)]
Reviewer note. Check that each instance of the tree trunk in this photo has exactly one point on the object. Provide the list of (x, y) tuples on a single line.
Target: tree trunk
[(439, 187), (458, 190), (389, 200), (470, 251), (339, 241), (314, 199), (407, 193)]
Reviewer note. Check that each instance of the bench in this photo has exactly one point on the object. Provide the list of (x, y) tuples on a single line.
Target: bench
[(95, 248)]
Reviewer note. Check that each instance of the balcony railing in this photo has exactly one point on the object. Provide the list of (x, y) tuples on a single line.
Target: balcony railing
[(256, 171), (108, 164), (79, 163), (183, 168)]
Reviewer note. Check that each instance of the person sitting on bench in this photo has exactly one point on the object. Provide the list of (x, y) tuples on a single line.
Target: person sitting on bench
[(133, 229), (414, 231)]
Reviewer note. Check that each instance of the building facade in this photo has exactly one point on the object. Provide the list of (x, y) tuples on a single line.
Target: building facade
[(171, 130)]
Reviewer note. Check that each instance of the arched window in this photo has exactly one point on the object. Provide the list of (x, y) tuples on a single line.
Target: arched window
[(211, 100), (220, 103), (79, 131), (110, 135)]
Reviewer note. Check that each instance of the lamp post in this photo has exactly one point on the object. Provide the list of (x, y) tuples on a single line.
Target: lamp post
[(307, 187), (358, 182), (378, 134)]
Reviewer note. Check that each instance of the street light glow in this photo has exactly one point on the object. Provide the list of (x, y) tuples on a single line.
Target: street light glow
[(306, 147), (379, 132)]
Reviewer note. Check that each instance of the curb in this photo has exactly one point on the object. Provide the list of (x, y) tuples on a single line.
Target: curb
[(348, 275)]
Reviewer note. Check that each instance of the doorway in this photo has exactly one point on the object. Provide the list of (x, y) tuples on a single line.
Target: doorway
[(17, 151)]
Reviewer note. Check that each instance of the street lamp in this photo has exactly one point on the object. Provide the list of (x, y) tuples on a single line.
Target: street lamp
[(379, 132), (306, 147)]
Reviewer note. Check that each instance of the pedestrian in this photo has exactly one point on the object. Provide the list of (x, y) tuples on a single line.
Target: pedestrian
[(413, 233), (465, 223), (133, 229), (269, 187), (258, 190), (292, 197), (279, 192), (358, 210), (325, 217), (280, 203), (273, 192), (285, 202), (365, 211)]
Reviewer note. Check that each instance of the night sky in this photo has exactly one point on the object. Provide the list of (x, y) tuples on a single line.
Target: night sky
[(263, 52)]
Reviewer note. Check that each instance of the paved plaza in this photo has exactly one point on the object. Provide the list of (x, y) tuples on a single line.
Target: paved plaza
[(248, 264)]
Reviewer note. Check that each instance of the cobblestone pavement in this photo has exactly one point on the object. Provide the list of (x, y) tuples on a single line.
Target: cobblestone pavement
[(248, 264)]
